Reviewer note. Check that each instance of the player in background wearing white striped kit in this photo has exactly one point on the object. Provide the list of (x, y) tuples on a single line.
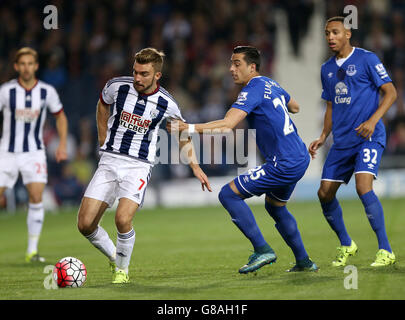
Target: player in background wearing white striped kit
[(24, 102), (127, 138)]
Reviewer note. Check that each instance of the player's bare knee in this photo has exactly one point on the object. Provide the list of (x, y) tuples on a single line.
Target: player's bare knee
[(324, 195), (85, 226), (123, 223), (35, 198), (362, 189)]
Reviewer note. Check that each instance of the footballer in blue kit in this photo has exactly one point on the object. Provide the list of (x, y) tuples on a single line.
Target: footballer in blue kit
[(266, 106), (351, 83)]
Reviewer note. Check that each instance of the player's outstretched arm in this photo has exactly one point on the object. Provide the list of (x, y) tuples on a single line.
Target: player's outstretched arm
[(327, 128), (231, 119), (62, 129), (187, 150), (366, 129), (103, 113)]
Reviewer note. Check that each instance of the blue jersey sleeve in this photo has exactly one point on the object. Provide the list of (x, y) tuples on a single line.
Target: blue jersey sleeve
[(250, 97), (325, 93), (286, 95), (376, 71)]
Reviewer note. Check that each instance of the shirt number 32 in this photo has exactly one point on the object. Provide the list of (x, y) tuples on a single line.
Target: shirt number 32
[(370, 154)]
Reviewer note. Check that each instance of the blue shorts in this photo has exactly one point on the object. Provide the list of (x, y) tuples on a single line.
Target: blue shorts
[(276, 182), (340, 164)]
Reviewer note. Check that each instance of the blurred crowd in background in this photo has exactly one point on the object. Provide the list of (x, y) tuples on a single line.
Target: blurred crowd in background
[(96, 40)]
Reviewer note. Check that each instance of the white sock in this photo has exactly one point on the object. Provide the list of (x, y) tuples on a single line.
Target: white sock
[(125, 246), (35, 219), (100, 239)]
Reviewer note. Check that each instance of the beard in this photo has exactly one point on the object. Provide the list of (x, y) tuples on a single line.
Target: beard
[(142, 88)]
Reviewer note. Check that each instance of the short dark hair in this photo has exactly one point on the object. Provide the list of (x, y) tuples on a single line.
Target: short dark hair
[(336, 18), (339, 19), (252, 55)]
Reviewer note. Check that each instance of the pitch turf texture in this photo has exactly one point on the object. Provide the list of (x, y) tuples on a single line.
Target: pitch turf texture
[(195, 253)]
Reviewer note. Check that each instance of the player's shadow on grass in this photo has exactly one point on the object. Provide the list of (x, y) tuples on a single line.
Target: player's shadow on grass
[(393, 269), (306, 279), (159, 290), (300, 278)]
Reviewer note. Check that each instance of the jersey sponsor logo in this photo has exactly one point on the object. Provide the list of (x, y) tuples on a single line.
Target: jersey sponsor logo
[(26, 115), (134, 122), (340, 90), (330, 74), (351, 70)]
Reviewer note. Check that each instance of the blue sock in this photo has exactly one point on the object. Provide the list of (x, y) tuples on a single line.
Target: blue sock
[(287, 227), (243, 217), (375, 215), (333, 214)]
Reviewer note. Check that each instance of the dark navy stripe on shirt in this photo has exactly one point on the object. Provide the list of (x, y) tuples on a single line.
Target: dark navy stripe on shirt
[(12, 119), (139, 109), (144, 149), (165, 92), (27, 125), (38, 123), (121, 97)]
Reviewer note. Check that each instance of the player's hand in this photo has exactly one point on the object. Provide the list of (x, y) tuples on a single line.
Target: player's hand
[(60, 153), (366, 129), (200, 175), (314, 146), (176, 126)]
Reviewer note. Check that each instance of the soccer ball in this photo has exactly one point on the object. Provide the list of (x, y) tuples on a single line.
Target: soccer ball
[(69, 272)]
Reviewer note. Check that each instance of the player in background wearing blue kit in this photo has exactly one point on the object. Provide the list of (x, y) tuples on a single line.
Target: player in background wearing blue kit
[(351, 81), (265, 105)]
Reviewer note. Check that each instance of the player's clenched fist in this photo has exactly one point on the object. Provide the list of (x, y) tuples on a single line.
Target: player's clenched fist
[(176, 126)]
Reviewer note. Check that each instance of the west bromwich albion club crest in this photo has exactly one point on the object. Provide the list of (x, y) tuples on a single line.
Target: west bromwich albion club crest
[(351, 70), (154, 113)]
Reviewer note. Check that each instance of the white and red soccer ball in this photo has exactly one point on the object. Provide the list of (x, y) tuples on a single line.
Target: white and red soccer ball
[(69, 272)]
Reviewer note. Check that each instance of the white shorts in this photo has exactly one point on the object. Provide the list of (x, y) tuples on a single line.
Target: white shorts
[(32, 166), (119, 177)]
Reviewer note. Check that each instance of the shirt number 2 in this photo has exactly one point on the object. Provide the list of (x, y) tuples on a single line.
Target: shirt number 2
[(288, 127)]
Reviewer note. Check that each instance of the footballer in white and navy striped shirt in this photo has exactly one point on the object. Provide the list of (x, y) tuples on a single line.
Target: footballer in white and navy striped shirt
[(24, 102), (128, 139)]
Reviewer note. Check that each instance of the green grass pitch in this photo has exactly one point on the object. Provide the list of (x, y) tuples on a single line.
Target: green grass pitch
[(195, 254)]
